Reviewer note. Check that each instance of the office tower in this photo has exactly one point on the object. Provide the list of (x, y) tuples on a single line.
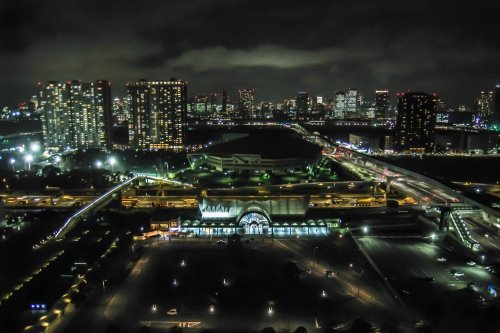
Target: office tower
[(340, 105), (415, 122), (246, 103), (302, 106), (158, 114), (224, 102), (76, 114), (484, 107), (381, 104), (199, 107), (352, 103)]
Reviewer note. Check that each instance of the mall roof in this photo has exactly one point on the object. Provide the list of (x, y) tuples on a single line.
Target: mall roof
[(267, 145)]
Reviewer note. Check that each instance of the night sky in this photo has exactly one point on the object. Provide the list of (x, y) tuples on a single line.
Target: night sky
[(278, 47)]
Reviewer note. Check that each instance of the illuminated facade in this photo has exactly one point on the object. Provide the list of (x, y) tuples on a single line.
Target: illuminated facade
[(340, 105), (381, 104), (484, 104), (416, 120), (352, 104), (76, 114), (54, 115), (158, 114), (246, 109), (252, 163)]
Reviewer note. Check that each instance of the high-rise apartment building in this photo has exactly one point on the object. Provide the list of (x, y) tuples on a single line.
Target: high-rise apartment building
[(416, 121), (52, 103), (76, 114), (102, 95), (381, 104), (246, 109), (158, 114)]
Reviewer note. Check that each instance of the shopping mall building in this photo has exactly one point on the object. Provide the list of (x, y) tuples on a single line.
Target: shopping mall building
[(267, 215)]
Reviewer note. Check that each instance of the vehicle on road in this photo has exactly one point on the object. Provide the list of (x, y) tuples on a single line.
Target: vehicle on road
[(456, 273), (471, 263), (221, 242), (441, 259), (172, 312)]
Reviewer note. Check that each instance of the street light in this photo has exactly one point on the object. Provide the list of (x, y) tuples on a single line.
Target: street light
[(28, 158), (433, 236), (365, 229), (98, 164), (112, 162), (12, 162), (35, 147)]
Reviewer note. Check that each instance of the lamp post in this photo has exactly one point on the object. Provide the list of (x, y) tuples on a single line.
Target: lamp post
[(35, 147), (12, 162), (162, 173), (112, 162), (98, 164), (314, 257), (28, 158)]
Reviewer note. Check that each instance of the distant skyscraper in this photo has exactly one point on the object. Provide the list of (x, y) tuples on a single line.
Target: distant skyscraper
[(340, 105), (224, 102), (484, 104), (381, 103), (246, 103), (416, 120), (158, 114), (302, 104), (352, 103), (76, 114), (495, 117)]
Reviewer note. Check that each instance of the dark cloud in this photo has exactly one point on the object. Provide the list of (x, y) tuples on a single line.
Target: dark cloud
[(275, 46)]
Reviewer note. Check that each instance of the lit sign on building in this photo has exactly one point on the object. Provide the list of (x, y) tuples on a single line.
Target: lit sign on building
[(215, 211)]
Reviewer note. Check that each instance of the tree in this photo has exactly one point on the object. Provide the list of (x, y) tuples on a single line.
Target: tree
[(144, 329), (422, 327), (361, 326), (112, 328), (300, 329), (291, 272), (234, 241)]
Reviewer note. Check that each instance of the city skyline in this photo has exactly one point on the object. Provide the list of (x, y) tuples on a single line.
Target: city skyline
[(275, 47)]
